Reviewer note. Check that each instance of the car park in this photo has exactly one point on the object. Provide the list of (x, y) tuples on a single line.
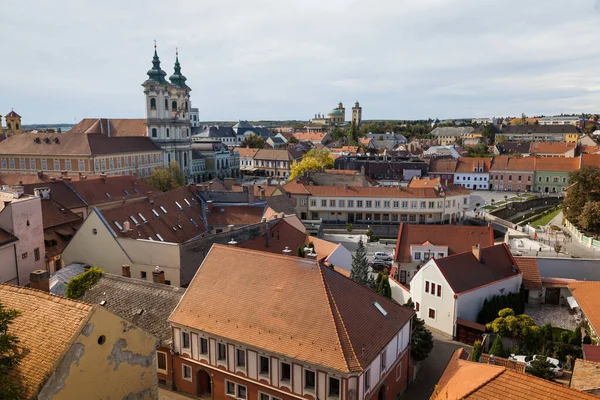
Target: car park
[(378, 265), (383, 256)]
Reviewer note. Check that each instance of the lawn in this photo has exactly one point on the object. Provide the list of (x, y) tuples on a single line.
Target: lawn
[(543, 220)]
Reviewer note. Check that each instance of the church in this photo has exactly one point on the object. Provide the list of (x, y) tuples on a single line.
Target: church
[(335, 118)]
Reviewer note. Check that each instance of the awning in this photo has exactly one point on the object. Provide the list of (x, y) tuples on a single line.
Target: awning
[(572, 302)]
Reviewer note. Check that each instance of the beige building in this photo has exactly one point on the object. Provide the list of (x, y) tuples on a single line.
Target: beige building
[(75, 350)]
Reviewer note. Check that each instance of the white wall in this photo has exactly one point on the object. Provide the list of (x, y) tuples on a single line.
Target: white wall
[(469, 304), (399, 293), (8, 264), (341, 257), (146, 255)]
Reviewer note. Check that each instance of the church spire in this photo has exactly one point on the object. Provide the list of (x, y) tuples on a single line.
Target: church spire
[(177, 79), (156, 74)]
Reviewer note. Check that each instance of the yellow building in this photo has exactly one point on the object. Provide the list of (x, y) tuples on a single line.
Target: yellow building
[(571, 137), (76, 350), (13, 123)]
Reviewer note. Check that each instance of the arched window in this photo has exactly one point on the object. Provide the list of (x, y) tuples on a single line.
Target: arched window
[(166, 104), (154, 134), (174, 106), (153, 103), (167, 132)]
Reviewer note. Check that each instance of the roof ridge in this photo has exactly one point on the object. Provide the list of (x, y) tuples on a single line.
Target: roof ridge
[(265, 253), (141, 282), (46, 295), (501, 371)]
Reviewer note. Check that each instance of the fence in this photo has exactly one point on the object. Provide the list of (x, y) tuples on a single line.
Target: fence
[(580, 237)]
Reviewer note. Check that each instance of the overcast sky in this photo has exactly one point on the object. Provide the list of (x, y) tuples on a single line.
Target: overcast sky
[(65, 60)]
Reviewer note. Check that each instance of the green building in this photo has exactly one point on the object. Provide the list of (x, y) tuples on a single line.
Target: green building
[(552, 173)]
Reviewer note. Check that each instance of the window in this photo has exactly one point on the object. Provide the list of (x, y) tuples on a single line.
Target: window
[(342, 203), (186, 340), (221, 352), (23, 256), (529, 179), (405, 204), (432, 288), (264, 365), (331, 203), (334, 387), (56, 165), (309, 379), (240, 356), (161, 361), (22, 163), (386, 204), (359, 203), (103, 165), (241, 391), (286, 372), (36, 253), (302, 202), (168, 132), (423, 204), (418, 257), (397, 204), (417, 306), (367, 380), (431, 313), (203, 345), (426, 283), (432, 204), (519, 178), (323, 203), (439, 291), (383, 361), (143, 275), (350, 203), (369, 203), (187, 372), (377, 204), (230, 388), (11, 163), (510, 177)]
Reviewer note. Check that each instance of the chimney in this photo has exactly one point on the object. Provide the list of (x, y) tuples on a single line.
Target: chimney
[(40, 174), (64, 173), (43, 192), (67, 180), (126, 226), (103, 176), (477, 252), (126, 271), (251, 195), (18, 191), (158, 276), (263, 194), (209, 205), (230, 227), (40, 280), (210, 186)]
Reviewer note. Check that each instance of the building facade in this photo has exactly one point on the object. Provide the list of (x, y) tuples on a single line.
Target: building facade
[(473, 173), (13, 124), (357, 114), (512, 173), (552, 174)]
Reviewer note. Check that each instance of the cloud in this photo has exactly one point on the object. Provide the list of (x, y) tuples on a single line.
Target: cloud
[(270, 59)]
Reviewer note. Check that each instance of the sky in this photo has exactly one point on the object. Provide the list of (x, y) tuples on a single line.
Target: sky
[(289, 59)]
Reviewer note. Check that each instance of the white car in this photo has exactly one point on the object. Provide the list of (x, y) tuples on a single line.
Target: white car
[(383, 256), (557, 368)]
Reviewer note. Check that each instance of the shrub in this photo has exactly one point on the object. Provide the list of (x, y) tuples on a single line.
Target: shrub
[(477, 350), (497, 347), (78, 285), (540, 367), (587, 340)]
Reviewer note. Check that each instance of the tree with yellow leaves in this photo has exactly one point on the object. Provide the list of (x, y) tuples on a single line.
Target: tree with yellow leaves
[(314, 160)]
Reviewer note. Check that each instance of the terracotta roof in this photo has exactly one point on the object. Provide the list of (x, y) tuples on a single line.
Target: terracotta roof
[(114, 127), (516, 366), (590, 160), (589, 149), (273, 155), (6, 237), (556, 282), (506, 163), (556, 164), (467, 164), (12, 114), (365, 141), (531, 272), (427, 182), (45, 328), (58, 237), (587, 295), (246, 151), (54, 214), (550, 147), (528, 121), (458, 238), (464, 272), (310, 136), (101, 144), (307, 312), (477, 381), (586, 376), (59, 191), (94, 189), (369, 191), (591, 352), (125, 297), (225, 214), (442, 166), (189, 217)]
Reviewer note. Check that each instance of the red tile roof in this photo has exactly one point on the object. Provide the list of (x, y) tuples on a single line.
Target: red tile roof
[(310, 136), (464, 272), (111, 127), (273, 155), (550, 147), (427, 182), (12, 114), (557, 164), (458, 238), (590, 160), (223, 215), (6, 237), (94, 189), (587, 295), (54, 214), (531, 272), (59, 191), (591, 352), (506, 163), (307, 312), (468, 164), (442, 166), (246, 151), (586, 376)]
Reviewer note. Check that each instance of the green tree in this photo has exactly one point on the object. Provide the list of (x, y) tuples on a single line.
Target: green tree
[(167, 179), (409, 303), (511, 325), (557, 248), (421, 343), (253, 142), (314, 160), (349, 227), (497, 347), (301, 252), (477, 350), (360, 269), (383, 284), (292, 140), (541, 368), (297, 126), (585, 188), (353, 134), (10, 356), (337, 133), (589, 217), (77, 286)]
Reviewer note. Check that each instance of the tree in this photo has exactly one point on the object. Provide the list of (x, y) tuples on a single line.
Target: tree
[(557, 248), (77, 286), (497, 347), (314, 160), (167, 179), (585, 188), (349, 227), (383, 284), (353, 134), (589, 217), (360, 270), (292, 140), (253, 142), (477, 350), (10, 357), (298, 125), (542, 368), (409, 303), (422, 340), (300, 251), (511, 325), (337, 133)]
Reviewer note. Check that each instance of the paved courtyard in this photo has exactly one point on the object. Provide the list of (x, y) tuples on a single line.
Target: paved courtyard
[(558, 316)]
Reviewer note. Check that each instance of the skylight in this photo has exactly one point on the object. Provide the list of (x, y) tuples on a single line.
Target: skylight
[(136, 191), (126, 192), (163, 209), (380, 308), (150, 238), (135, 221), (142, 217), (118, 225), (179, 205), (194, 222), (108, 195), (174, 229), (160, 237), (187, 202)]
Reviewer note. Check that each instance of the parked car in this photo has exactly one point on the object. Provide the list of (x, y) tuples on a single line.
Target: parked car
[(557, 367), (383, 256), (378, 265)]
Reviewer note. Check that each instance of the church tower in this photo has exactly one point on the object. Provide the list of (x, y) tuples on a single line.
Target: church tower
[(357, 114), (167, 121), (342, 110), (13, 123)]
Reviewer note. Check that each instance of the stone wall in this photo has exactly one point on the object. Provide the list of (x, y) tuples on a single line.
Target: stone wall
[(514, 208)]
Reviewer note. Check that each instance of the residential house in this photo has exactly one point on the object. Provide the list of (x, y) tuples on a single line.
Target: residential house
[(552, 174), (387, 141), (275, 163), (512, 173), (220, 162), (443, 169), (198, 166), (417, 244), (384, 167), (512, 148), (449, 292), (586, 294), (470, 380), (89, 154), (367, 143), (587, 140), (531, 279), (553, 149), (228, 348), (313, 137), (473, 173), (378, 205), (276, 142), (225, 134), (585, 377), (591, 352), (449, 134), (561, 120), (21, 234), (441, 151), (539, 133), (76, 350), (246, 158), (146, 304)]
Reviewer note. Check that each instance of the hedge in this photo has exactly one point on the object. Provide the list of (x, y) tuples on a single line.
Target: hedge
[(78, 285)]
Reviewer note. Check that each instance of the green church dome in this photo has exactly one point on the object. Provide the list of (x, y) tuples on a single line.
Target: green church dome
[(335, 112)]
